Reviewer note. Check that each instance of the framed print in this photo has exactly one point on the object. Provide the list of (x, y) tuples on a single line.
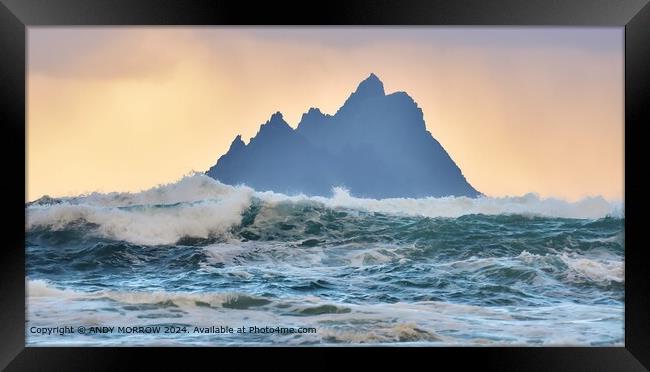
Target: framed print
[(437, 179)]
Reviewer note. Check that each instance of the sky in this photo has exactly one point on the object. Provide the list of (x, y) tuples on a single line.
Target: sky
[(519, 109)]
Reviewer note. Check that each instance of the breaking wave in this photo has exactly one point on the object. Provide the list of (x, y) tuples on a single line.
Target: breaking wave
[(431, 271), (200, 207)]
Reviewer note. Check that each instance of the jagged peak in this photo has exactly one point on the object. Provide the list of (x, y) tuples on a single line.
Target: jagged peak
[(273, 127), (371, 86), (237, 144), (310, 118), (276, 120), (277, 116), (313, 111)]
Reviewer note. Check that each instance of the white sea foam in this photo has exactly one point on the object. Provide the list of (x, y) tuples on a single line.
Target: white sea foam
[(529, 204), (37, 288), (191, 188), (603, 269), (426, 322), (41, 288), (150, 224), (198, 206), (594, 270)]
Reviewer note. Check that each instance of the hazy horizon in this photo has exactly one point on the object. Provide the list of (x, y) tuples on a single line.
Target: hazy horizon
[(520, 110)]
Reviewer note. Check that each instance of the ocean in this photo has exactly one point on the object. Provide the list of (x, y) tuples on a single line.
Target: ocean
[(200, 263)]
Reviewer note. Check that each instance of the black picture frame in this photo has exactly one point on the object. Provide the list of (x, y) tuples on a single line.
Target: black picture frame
[(17, 15)]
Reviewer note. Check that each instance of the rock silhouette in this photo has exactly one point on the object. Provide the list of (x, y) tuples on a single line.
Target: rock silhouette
[(375, 146)]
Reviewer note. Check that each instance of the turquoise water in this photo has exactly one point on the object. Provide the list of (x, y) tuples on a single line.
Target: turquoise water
[(197, 258)]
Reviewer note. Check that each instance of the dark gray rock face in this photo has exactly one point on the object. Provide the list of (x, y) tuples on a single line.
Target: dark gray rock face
[(376, 146)]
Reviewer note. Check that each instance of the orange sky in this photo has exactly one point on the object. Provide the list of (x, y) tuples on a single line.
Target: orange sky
[(518, 109)]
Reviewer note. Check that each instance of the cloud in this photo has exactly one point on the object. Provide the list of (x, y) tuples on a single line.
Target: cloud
[(138, 52), (586, 39), (102, 53)]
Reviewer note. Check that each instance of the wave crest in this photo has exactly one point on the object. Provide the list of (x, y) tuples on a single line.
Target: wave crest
[(198, 206)]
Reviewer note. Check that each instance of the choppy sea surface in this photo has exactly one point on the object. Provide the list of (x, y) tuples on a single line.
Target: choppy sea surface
[(196, 261)]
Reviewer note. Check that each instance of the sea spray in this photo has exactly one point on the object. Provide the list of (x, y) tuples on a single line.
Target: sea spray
[(431, 271)]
